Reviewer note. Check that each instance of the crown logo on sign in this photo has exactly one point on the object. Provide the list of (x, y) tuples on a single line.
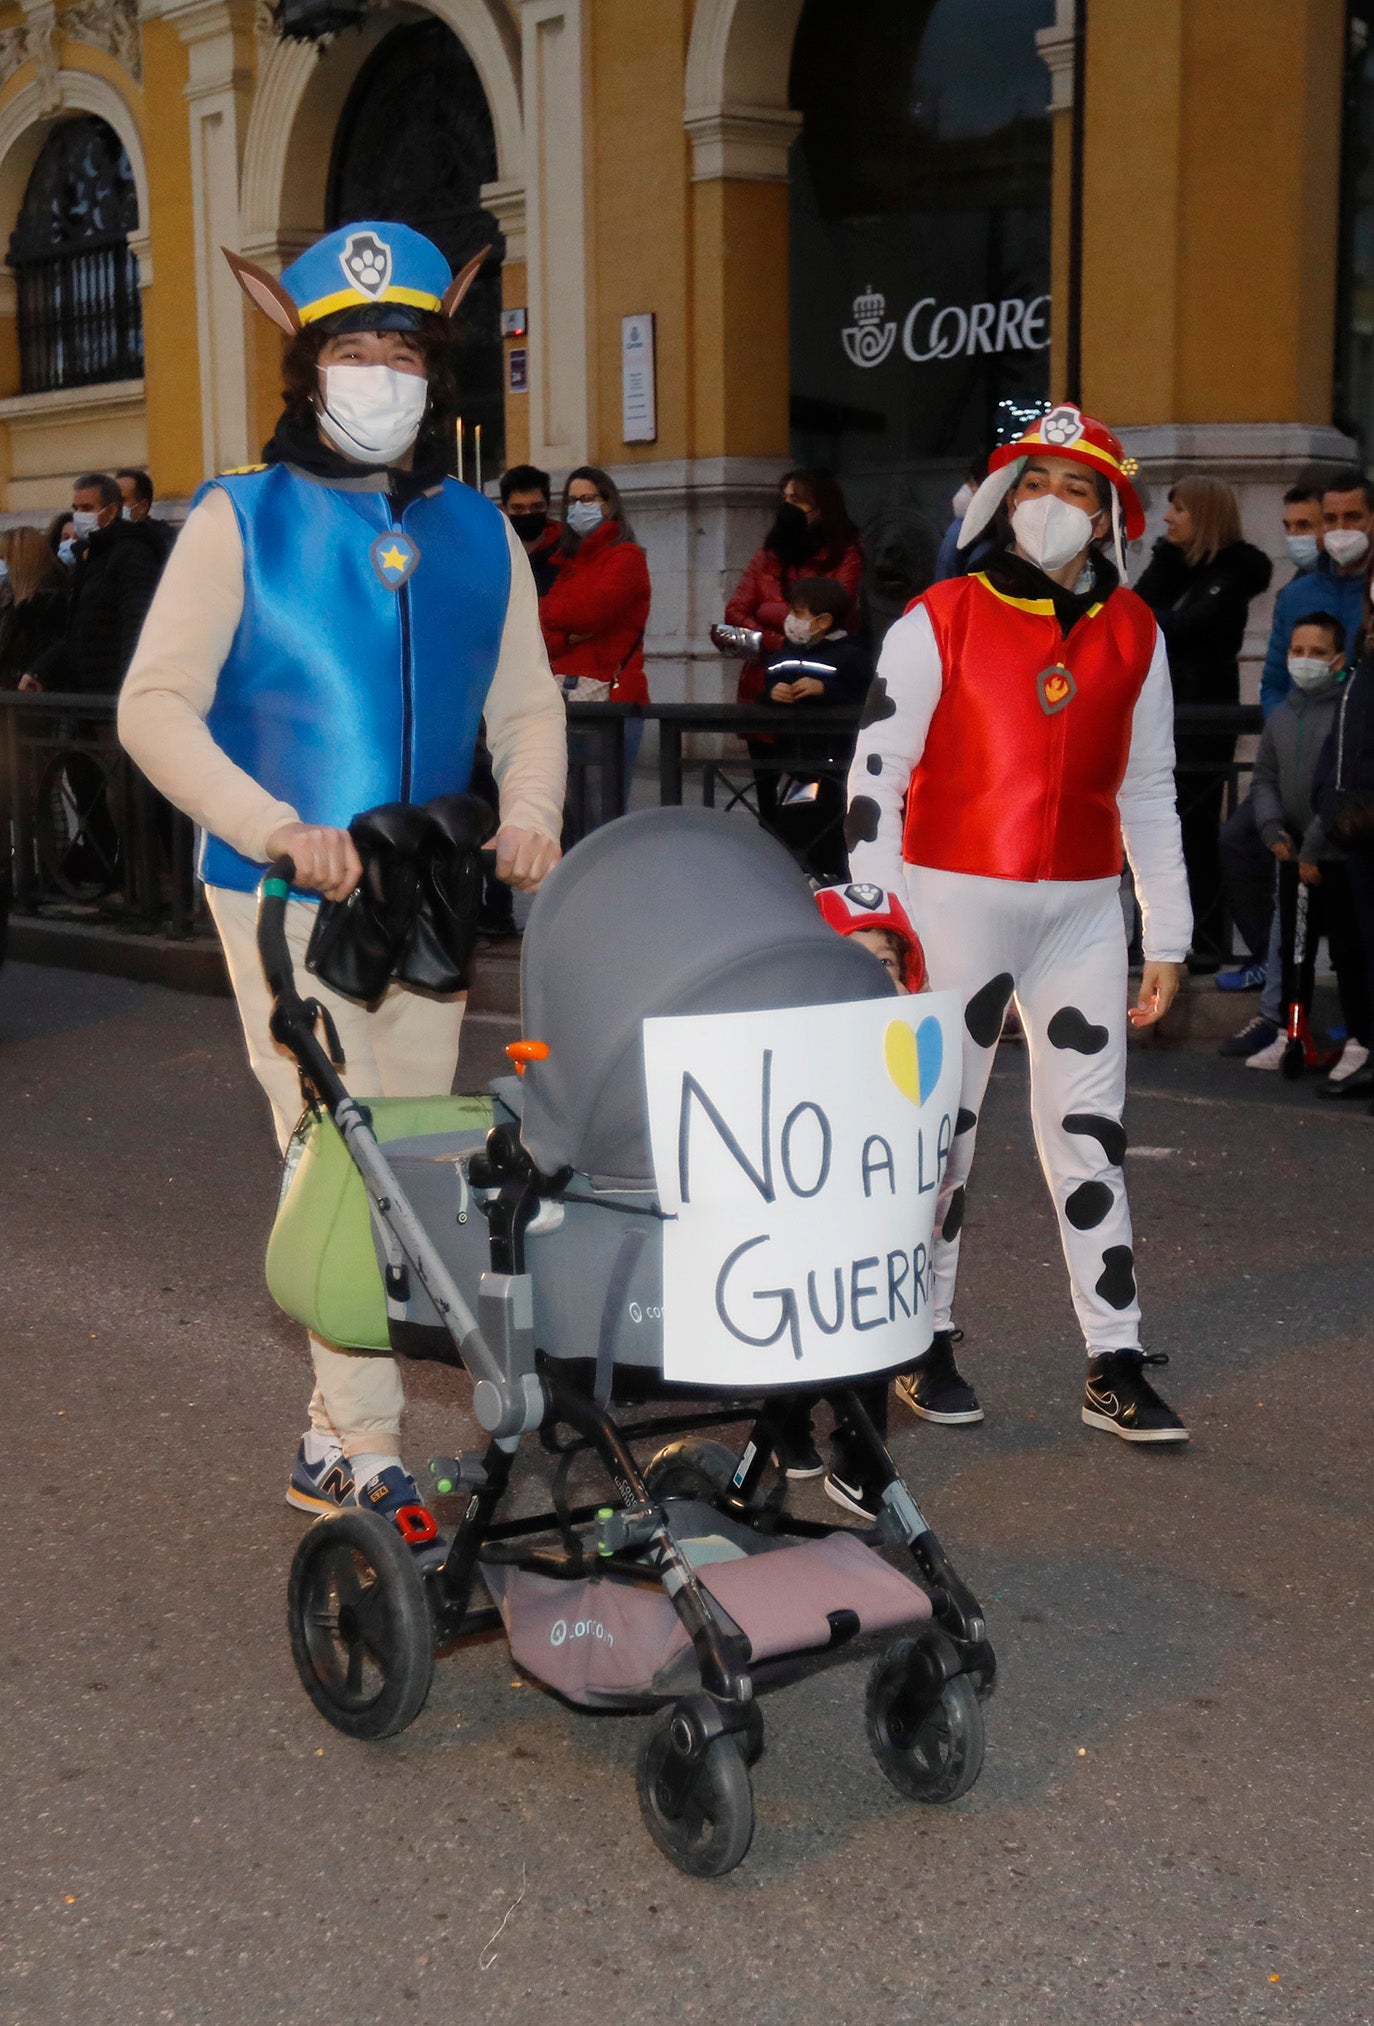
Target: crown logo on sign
[(868, 309)]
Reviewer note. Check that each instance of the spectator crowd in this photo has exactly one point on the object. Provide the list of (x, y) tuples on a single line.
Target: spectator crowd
[(801, 622)]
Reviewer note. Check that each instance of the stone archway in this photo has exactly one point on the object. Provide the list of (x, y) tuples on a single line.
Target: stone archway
[(736, 109)]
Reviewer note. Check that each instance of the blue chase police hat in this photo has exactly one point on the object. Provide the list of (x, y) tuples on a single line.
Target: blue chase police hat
[(373, 273)]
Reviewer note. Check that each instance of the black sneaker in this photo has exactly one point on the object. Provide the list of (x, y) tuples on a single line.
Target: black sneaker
[(804, 1460), (1119, 1398), (1257, 1034), (935, 1388), (852, 1493)]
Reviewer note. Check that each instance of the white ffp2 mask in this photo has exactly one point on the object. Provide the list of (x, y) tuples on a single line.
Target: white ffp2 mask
[(1051, 531), (372, 413), (1310, 672), (1346, 546)]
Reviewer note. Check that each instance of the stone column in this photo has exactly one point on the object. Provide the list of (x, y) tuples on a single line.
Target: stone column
[(553, 71)]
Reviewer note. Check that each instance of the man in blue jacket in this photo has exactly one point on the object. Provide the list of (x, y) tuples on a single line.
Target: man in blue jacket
[(1335, 584)]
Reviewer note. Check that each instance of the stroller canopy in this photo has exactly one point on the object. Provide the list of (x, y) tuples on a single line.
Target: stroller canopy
[(667, 911)]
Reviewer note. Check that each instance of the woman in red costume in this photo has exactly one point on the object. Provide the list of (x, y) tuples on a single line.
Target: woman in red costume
[(1019, 731)]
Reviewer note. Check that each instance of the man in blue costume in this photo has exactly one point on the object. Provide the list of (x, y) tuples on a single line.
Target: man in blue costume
[(332, 628)]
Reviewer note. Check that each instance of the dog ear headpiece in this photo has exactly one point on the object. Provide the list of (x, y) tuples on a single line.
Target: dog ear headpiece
[(1064, 432), (373, 276)]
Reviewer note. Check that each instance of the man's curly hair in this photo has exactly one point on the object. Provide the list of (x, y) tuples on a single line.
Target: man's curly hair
[(438, 341)]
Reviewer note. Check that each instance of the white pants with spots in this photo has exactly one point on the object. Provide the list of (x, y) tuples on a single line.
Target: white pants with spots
[(1058, 948)]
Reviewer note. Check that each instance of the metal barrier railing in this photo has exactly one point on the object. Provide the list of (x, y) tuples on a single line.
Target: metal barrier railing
[(88, 835)]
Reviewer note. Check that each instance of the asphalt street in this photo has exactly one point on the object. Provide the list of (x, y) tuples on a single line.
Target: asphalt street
[(1174, 1820)]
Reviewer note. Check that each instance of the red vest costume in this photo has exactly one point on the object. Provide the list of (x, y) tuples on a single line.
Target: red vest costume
[(1028, 744)]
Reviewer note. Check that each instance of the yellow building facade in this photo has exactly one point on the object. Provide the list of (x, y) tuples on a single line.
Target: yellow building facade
[(868, 233)]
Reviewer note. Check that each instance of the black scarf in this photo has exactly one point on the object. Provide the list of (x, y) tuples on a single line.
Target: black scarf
[(1012, 574), (296, 440)]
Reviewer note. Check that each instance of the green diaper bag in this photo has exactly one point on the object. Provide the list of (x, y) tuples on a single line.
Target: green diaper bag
[(321, 1264)]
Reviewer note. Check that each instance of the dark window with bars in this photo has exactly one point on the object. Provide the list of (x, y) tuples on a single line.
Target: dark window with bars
[(79, 313)]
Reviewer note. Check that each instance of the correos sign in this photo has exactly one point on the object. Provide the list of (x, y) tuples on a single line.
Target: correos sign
[(931, 330)]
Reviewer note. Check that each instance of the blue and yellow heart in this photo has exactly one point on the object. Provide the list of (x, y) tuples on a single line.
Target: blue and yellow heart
[(914, 1058)]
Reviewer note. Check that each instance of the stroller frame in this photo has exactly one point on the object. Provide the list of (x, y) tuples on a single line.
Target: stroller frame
[(923, 1706)]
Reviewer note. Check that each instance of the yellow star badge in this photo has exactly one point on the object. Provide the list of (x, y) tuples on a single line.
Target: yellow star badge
[(394, 556)]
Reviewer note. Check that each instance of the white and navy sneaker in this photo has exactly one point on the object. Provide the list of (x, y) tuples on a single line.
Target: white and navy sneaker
[(326, 1486), (1270, 1056), (936, 1389), (394, 1494), (846, 1488), (1120, 1399)]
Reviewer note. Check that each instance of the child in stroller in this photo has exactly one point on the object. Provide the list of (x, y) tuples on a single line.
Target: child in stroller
[(532, 1257)]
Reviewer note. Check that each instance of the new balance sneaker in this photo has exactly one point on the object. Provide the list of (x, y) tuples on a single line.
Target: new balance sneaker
[(1256, 1034), (1270, 1056), (1120, 1399), (847, 1488), (325, 1486), (394, 1494), (1245, 978), (936, 1389)]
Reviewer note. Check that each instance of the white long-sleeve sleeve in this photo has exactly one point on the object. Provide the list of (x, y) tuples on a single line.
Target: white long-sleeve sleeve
[(186, 639), (1149, 819), (896, 718)]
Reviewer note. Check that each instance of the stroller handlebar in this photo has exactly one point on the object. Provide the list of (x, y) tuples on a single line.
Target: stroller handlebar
[(272, 945)]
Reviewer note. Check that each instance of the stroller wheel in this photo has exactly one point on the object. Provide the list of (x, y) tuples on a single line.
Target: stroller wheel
[(1292, 1061), (929, 1751), (360, 1627), (692, 1468), (708, 1830)]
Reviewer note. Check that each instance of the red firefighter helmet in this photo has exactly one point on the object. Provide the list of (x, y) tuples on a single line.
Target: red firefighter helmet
[(857, 906), (1064, 431)]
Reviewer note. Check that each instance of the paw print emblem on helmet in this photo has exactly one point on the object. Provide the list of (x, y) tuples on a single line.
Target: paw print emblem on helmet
[(1062, 426), (366, 262)]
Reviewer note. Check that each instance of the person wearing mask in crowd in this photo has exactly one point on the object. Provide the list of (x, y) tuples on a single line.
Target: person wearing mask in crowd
[(812, 536), (33, 602), (525, 495), (265, 701), (1247, 869), (136, 489), (61, 537), (1018, 733), (953, 561), (595, 612), (1335, 583), (821, 664), (114, 577), (1343, 805), (1199, 584)]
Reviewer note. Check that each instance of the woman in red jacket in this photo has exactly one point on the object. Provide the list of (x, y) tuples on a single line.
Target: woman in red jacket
[(595, 611), (811, 536)]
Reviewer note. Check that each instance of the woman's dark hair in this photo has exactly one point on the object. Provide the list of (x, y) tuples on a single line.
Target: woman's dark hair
[(438, 344), (610, 493), (55, 527), (834, 529)]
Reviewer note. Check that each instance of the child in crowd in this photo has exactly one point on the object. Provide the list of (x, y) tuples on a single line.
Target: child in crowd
[(879, 921), (1293, 737), (821, 664)]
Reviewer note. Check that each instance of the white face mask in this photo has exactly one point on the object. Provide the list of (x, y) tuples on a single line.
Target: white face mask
[(1346, 546), (1302, 549), (66, 551), (1051, 531), (584, 516), (799, 631), (962, 500), (84, 523), (373, 413), (1309, 672)]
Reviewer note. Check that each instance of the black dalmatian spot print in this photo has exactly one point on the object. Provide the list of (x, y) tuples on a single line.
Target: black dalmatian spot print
[(1088, 1205), (1070, 1029), (874, 763), (954, 1216), (1110, 1134), (877, 704), (1117, 1285), (986, 1010), (965, 1122), (861, 824)]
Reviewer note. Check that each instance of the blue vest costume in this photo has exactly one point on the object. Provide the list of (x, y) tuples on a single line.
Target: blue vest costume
[(368, 642)]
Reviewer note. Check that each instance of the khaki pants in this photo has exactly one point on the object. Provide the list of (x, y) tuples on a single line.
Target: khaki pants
[(408, 1047)]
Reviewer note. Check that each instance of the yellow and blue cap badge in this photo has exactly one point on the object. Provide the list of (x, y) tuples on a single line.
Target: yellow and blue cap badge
[(363, 269)]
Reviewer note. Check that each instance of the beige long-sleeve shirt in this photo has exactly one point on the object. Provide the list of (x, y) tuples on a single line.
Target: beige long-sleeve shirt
[(186, 638)]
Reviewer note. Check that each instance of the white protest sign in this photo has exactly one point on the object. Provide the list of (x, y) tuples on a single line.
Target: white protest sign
[(798, 1155)]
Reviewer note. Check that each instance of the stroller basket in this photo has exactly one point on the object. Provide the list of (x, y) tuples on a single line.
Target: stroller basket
[(603, 1641)]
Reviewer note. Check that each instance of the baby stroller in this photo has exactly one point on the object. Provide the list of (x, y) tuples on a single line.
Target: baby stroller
[(529, 1255)]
